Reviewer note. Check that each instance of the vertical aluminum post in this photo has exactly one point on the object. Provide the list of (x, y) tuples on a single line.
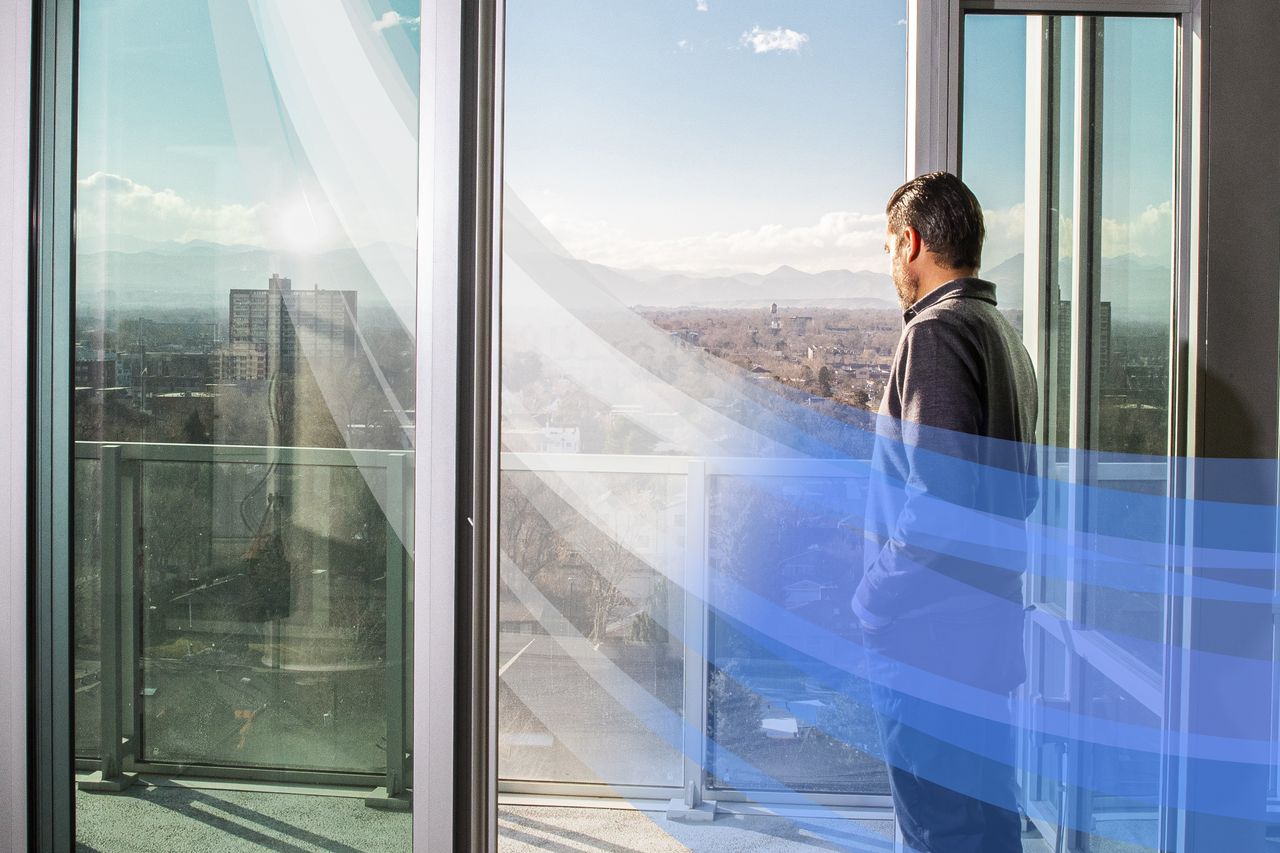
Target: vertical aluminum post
[(110, 776), (129, 494), (692, 805), (394, 795)]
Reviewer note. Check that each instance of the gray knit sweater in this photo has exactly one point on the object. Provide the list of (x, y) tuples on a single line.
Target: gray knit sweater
[(953, 470)]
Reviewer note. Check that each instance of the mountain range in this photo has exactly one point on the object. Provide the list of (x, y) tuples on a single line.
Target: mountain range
[(195, 277), (785, 285), (1137, 288)]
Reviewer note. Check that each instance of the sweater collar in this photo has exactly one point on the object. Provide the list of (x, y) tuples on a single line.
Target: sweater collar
[(957, 288)]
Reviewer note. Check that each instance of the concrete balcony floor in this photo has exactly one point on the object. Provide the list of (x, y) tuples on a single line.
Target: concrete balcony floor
[(165, 819)]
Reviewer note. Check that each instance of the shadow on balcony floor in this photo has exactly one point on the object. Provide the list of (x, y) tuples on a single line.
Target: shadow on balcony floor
[(574, 830), (164, 819)]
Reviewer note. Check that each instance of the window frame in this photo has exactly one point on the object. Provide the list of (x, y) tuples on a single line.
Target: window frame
[(460, 139), (442, 533), (1163, 693)]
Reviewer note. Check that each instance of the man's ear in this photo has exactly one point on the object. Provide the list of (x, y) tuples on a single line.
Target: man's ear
[(915, 244)]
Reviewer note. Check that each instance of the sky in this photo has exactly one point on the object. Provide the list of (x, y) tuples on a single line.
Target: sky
[(1137, 130), (278, 123), (698, 135), (726, 133)]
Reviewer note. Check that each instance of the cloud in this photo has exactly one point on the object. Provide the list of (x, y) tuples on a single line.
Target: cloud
[(702, 6), (395, 19), (1150, 233), (837, 240), (769, 41), (113, 211), (683, 44), (1005, 234), (1147, 235), (112, 205)]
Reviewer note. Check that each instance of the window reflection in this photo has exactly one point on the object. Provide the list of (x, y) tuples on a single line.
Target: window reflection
[(1103, 126), (244, 403)]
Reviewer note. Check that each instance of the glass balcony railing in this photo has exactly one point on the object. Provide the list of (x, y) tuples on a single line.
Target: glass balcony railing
[(628, 653), (243, 611), (632, 657)]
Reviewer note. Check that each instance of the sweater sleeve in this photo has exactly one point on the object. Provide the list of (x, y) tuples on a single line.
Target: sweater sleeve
[(942, 412)]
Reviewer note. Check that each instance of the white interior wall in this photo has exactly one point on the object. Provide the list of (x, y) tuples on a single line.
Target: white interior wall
[(15, 136)]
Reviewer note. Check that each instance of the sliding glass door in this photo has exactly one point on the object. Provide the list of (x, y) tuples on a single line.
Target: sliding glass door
[(246, 365), (697, 322), (1070, 138)]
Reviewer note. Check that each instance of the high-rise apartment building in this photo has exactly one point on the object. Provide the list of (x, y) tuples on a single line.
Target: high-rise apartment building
[(1103, 347), (272, 329)]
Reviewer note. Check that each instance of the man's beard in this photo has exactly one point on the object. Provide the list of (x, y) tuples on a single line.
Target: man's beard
[(906, 284)]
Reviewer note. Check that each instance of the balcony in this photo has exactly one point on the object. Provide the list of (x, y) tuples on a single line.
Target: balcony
[(242, 627)]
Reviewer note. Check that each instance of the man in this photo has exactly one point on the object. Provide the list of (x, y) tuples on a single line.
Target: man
[(953, 480)]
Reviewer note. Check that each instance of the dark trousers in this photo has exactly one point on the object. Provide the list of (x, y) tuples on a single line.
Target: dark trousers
[(981, 817), (951, 773)]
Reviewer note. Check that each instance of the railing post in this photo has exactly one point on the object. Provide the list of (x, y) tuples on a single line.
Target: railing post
[(111, 775), (692, 806), (130, 494), (394, 795)]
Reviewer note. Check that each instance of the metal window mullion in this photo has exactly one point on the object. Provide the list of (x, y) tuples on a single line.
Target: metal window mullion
[(477, 211), (1085, 286), (1040, 311), (436, 785), (52, 269), (929, 110), (1182, 388), (1041, 303), (1085, 278)]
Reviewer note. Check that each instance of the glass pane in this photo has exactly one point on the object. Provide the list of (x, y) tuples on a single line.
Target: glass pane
[(263, 645), (1059, 355), (590, 627), (1138, 144), (782, 720), (1129, 340), (244, 407), (994, 148), (693, 279), (1115, 492), (995, 159), (1124, 800)]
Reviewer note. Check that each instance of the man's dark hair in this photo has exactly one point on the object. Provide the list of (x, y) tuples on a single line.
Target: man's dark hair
[(947, 215)]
